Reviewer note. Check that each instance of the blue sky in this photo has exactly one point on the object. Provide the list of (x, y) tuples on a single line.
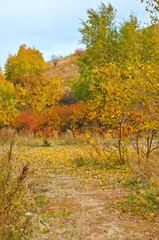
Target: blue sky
[(52, 25)]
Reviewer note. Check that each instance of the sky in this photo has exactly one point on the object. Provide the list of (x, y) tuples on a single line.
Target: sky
[(51, 26)]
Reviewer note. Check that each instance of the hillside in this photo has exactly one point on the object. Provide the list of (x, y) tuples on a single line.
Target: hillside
[(64, 67)]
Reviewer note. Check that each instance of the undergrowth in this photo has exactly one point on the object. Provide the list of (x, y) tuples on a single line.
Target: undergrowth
[(143, 198), (15, 200)]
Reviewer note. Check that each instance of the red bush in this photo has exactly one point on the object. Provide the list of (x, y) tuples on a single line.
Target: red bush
[(79, 51)]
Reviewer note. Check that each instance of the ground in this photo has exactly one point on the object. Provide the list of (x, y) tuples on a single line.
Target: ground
[(76, 203)]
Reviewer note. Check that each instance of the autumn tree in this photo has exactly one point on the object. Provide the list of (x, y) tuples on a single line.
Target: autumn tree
[(104, 44), (152, 6), (99, 35), (7, 102), (27, 60), (34, 89), (126, 102), (38, 93), (124, 80), (140, 48)]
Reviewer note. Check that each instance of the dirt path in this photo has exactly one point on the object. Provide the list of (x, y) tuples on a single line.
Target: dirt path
[(86, 212), (75, 203)]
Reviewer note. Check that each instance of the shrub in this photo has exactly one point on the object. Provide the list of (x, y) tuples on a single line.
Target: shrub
[(79, 51)]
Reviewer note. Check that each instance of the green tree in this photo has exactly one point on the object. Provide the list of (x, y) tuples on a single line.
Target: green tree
[(99, 35)]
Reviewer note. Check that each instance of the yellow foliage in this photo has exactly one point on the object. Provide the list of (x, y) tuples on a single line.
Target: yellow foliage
[(7, 102), (38, 92)]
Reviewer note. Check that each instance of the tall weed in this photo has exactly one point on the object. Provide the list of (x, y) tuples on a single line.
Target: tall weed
[(15, 201)]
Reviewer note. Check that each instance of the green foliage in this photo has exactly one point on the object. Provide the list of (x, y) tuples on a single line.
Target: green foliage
[(143, 200), (80, 162), (98, 33), (41, 200), (46, 143), (100, 38), (82, 86)]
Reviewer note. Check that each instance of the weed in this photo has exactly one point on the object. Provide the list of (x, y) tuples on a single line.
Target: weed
[(45, 190), (97, 156), (46, 144), (64, 212), (80, 161), (40, 200), (44, 223), (14, 200), (143, 199)]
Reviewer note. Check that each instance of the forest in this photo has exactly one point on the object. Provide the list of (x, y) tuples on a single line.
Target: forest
[(105, 133)]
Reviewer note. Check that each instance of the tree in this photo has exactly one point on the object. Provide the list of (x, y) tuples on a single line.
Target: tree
[(55, 59), (7, 102), (99, 35), (38, 93), (126, 82), (34, 89), (104, 44), (27, 60), (152, 6), (140, 47)]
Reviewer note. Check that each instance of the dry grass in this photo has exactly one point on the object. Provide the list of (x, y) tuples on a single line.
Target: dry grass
[(15, 201), (78, 182), (65, 68)]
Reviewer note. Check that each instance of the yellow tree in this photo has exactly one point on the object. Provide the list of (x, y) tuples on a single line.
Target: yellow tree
[(126, 78), (38, 93), (112, 96), (7, 102), (27, 60), (34, 90), (128, 99), (140, 51)]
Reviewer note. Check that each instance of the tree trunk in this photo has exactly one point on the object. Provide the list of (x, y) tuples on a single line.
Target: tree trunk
[(120, 144), (137, 149)]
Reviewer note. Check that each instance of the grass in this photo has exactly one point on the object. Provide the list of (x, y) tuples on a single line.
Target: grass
[(15, 201), (95, 165), (65, 68), (143, 199), (41, 200)]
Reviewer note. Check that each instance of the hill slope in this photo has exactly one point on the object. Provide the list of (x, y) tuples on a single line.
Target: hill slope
[(63, 67)]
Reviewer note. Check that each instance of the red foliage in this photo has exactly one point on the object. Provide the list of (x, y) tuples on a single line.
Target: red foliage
[(77, 117), (79, 51), (60, 118), (64, 117), (28, 122)]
